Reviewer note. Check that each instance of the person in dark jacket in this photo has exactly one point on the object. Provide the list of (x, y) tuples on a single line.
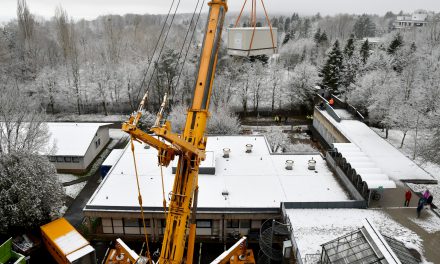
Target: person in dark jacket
[(420, 206), (408, 195), (429, 200)]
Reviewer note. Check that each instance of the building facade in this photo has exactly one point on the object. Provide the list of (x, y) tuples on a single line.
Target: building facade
[(75, 145)]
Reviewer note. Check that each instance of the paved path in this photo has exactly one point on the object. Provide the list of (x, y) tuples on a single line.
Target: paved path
[(392, 203), (75, 213)]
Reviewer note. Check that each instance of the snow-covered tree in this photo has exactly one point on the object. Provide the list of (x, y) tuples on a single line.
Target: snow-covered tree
[(221, 120), (22, 127), (332, 70), (364, 27), (302, 83), (30, 193)]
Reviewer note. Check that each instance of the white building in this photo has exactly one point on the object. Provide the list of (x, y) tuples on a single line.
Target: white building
[(76, 145), (419, 18), (236, 194)]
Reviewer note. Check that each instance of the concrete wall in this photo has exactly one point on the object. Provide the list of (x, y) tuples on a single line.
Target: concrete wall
[(327, 130), (103, 136)]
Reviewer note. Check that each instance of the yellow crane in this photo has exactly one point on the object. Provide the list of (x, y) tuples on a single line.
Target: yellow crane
[(190, 149)]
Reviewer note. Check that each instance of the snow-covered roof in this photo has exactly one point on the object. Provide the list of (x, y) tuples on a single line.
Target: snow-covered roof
[(364, 166), (72, 139), (386, 157), (71, 242), (113, 157), (80, 253), (315, 227), (253, 180)]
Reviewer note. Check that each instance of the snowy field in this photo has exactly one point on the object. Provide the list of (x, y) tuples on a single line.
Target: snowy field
[(87, 118), (74, 190), (314, 227), (66, 177)]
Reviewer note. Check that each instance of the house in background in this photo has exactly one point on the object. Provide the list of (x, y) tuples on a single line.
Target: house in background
[(419, 18), (76, 145)]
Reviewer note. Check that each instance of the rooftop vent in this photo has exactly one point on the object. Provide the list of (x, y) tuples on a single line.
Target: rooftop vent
[(249, 148), (225, 194), (289, 164), (226, 152), (312, 164)]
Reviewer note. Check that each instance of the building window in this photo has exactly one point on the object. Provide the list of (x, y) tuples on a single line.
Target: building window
[(204, 223), (97, 143), (52, 159), (60, 159), (67, 159), (75, 159), (245, 223), (232, 224), (163, 223), (131, 222)]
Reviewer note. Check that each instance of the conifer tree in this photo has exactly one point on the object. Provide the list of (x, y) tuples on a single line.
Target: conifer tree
[(365, 51), (349, 47), (317, 36), (395, 44), (332, 71)]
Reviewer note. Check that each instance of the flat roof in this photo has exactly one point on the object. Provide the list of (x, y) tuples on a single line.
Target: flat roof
[(386, 157), (72, 139), (113, 157), (253, 180)]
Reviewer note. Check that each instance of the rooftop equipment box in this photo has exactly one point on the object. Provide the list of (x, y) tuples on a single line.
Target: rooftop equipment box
[(239, 41)]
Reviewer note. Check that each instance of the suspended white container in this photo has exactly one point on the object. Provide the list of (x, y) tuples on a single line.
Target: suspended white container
[(239, 41)]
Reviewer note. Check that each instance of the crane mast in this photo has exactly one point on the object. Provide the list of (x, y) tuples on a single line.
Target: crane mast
[(189, 146)]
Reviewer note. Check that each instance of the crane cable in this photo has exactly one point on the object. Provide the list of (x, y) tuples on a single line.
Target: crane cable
[(192, 37), (254, 21), (164, 201), (163, 44), (154, 51), (140, 201)]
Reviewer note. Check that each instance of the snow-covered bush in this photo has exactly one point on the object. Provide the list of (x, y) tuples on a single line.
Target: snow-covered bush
[(30, 193), (221, 121)]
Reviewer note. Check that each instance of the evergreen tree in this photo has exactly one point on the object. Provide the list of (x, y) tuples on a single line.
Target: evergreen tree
[(349, 47), (365, 51), (324, 39), (364, 27), (413, 47), (287, 25), (395, 44), (332, 71), (317, 36)]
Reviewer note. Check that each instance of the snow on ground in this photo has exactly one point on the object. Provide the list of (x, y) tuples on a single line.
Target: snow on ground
[(314, 227), (87, 118), (117, 133), (66, 177), (431, 223), (74, 190)]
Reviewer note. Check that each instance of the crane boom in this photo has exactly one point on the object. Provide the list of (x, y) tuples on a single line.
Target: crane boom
[(190, 146)]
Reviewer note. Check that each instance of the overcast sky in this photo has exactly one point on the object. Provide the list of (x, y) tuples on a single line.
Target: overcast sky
[(90, 9)]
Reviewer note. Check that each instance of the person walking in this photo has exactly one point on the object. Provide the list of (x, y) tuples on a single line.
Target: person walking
[(408, 195), (426, 194), (420, 206), (429, 200)]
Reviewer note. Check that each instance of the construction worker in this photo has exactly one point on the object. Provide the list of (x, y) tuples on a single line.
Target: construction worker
[(331, 102)]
